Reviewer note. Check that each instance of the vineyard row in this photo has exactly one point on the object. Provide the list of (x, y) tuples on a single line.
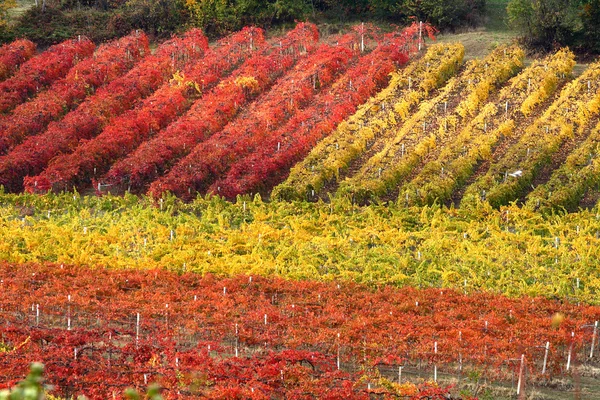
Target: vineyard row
[(140, 326), (512, 250)]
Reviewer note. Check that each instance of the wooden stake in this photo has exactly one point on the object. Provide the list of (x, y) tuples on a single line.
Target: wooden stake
[(593, 339), (520, 382), (546, 358), (570, 350)]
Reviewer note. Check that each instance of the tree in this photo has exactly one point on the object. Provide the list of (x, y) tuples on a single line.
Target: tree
[(591, 25), (5, 5), (552, 23), (220, 16)]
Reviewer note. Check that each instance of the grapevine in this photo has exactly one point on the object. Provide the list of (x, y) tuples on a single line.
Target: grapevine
[(455, 162), (212, 111), (389, 107), (41, 70), (402, 153), (110, 62)]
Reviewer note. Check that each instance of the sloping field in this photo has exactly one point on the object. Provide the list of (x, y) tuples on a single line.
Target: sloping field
[(415, 242), (365, 116)]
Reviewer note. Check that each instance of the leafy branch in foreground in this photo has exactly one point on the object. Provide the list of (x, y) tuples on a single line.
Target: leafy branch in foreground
[(33, 388)]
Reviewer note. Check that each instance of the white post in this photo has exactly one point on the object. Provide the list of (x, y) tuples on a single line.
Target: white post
[(546, 358), (362, 39), (338, 351), (420, 34), (137, 330), (399, 375), (435, 365), (37, 314), (593, 339), (521, 374), (167, 315), (236, 340), (570, 351), (69, 314)]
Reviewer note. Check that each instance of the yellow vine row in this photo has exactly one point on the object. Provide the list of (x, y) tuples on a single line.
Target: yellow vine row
[(570, 182), (566, 118), (514, 251), (418, 135), (387, 109), (476, 140)]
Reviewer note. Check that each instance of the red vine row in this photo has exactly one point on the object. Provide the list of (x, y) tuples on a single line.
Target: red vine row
[(211, 158), (270, 163), (111, 101), (164, 322), (14, 54), (212, 112), (115, 141), (31, 156), (110, 62), (42, 70)]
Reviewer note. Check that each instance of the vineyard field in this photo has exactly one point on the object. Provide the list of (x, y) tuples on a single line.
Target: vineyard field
[(359, 215), (512, 251), (367, 116), (261, 338)]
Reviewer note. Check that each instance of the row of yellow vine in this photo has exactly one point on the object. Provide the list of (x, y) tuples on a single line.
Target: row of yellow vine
[(512, 250)]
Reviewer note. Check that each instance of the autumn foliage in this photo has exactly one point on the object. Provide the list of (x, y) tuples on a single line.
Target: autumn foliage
[(14, 54), (99, 330), (42, 70), (214, 110), (110, 62)]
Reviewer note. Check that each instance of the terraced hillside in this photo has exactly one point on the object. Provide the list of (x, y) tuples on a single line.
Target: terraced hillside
[(389, 262), (495, 132), (363, 115)]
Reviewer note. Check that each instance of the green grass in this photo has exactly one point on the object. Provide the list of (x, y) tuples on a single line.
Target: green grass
[(494, 31), (22, 6)]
